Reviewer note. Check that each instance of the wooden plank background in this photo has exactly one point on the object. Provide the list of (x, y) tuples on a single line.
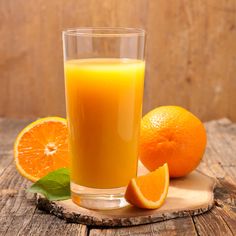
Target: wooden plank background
[(191, 52)]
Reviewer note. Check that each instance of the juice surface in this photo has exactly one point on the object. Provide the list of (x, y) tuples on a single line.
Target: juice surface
[(104, 107)]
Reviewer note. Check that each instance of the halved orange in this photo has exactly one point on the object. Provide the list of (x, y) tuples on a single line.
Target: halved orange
[(42, 147), (149, 191)]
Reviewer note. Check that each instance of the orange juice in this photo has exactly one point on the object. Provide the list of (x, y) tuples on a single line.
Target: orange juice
[(104, 106)]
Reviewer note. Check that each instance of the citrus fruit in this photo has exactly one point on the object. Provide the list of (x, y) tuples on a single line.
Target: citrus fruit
[(173, 135), (42, 147), (149, 191)]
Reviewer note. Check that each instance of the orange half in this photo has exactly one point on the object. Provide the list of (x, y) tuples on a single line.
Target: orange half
[(149, 191), (42, 147)]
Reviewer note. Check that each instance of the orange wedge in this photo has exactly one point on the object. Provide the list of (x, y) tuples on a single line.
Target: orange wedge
[(42, 147), (149, 191)]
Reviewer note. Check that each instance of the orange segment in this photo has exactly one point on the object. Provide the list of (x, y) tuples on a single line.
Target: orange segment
[(42, 147), (149, 191)]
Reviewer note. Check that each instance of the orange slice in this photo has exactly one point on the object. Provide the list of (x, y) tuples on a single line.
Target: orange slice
[(149, 191), (42, 147)]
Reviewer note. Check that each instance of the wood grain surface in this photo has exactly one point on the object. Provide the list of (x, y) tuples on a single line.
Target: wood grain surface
[(188, 196), (19, 215), (191, 52)]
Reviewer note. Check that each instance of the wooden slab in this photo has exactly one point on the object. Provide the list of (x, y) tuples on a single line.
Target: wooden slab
[(191, 195)]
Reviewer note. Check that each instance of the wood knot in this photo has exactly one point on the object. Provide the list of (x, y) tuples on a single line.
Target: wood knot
[(188, 79), (232, 27)]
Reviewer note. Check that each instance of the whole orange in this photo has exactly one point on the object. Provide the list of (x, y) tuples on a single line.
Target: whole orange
[(173, 135)]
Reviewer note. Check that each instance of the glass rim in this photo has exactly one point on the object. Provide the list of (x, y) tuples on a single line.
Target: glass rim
[(104, 32)]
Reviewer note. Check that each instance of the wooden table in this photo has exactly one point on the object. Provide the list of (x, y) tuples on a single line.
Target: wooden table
[(20, 216)]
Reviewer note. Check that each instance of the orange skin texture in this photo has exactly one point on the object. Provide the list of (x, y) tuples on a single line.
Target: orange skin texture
[(132, 197), (173, 135)]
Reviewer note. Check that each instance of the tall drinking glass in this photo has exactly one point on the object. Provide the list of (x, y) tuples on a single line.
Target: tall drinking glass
[(104, 77)]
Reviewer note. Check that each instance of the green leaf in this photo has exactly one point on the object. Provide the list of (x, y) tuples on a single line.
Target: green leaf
[(54, 186)]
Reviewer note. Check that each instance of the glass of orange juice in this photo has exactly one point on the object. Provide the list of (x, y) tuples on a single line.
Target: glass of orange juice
[(104, 78)]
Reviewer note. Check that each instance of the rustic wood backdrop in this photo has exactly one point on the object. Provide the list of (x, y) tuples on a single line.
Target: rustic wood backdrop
[(191, 52)]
